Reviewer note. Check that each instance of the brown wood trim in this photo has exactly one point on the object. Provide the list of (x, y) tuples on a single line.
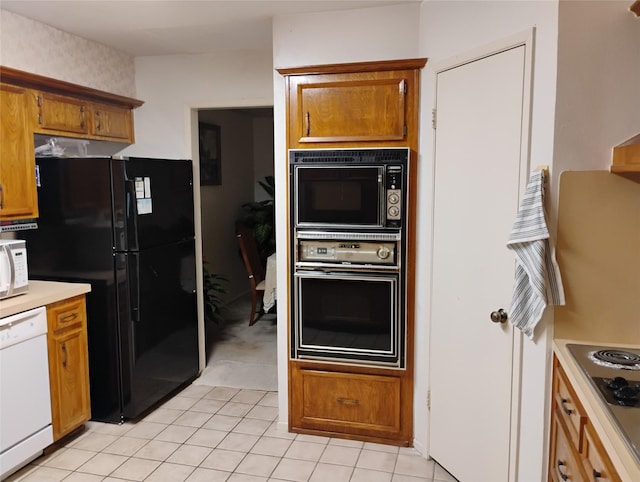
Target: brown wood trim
[(375, 66), (635, 8), (347, 436), (34, 81)]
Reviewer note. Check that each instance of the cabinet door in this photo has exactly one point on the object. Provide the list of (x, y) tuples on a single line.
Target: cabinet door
[(112, 122), (351, 108), (68, 366), (564, 464), (346, 403), (18, 194), (57, 113), (596, 463)]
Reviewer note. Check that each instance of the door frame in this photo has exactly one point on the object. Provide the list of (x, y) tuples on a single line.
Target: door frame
[(525, 38)]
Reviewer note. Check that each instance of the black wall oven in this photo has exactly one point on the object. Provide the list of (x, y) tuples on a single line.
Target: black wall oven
[(348, 316), (348, 212)]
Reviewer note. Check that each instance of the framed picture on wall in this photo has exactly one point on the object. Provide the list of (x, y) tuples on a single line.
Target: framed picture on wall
[(210, 163)]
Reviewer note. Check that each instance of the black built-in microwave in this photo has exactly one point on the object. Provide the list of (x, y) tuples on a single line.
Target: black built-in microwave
[(354, 189)]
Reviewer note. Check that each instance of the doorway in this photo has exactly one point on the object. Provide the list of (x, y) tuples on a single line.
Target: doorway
[(481, 151), (237, 355)]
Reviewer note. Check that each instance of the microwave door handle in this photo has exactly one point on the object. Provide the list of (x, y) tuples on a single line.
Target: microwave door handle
[(12, 269), (7, 268)]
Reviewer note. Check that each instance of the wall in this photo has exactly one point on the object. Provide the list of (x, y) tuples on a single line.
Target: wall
[(37, 48), (599, 226), (326, 38), (449, 29), (599, 255), (262, 152), (598, 103)]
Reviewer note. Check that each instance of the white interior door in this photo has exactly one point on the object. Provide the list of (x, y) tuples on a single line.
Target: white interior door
[(477, 169)]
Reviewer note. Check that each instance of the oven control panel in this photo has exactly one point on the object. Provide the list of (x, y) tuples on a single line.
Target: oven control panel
[(360, 252)]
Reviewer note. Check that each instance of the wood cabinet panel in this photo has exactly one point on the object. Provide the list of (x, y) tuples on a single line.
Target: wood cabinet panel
[(351, 110), (339, 402), (366, 401), (111, 122), (18, 193), (597, 464), (564, 463), (344, 106), (576, 451), (61, 114), (570, 408), (68, 365)]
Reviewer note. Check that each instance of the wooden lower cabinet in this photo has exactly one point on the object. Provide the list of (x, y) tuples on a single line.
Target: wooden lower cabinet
[(576, 451), (339, 402), (68, 365)]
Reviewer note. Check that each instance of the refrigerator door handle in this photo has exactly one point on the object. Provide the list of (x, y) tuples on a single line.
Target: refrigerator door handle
[(134, 285), (132, 215)]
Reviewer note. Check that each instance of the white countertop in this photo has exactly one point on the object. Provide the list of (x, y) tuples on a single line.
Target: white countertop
[(41, 293), (620, 454)]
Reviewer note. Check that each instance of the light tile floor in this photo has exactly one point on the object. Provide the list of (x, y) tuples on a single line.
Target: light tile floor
[(217, 434)]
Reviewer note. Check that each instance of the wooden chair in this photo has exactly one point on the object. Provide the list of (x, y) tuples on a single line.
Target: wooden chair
[(252, 264)]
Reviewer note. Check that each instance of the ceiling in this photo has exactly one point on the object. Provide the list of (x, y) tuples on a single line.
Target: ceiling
[(165, 27)]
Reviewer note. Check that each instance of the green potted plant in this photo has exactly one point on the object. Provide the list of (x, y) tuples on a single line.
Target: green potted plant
[(214, 285), (259, 216)]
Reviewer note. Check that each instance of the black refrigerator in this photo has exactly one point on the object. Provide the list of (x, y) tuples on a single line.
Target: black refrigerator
[(126, 226)]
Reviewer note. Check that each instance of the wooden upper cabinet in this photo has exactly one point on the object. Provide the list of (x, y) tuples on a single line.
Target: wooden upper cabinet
[(111, 122), (61, 114), (18, 195), (368, 103), (626, 159), (65, 109), (351, 110)]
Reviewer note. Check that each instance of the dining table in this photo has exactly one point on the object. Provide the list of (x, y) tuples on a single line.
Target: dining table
[(270, 284)]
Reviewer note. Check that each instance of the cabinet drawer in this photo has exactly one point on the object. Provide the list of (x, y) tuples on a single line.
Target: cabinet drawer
[(66, 314), (564, 465), (367, 404), (569, 408), (596, 462)]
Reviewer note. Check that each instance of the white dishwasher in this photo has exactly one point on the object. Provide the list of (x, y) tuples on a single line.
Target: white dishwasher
[(25, 404)]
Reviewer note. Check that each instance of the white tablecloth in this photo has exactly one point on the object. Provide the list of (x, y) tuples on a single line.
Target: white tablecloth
[(269, 299)]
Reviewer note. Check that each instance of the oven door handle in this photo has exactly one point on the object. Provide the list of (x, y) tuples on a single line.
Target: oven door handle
[(363, 275)]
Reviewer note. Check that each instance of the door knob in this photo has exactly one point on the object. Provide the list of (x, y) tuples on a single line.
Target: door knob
[(499, 316)]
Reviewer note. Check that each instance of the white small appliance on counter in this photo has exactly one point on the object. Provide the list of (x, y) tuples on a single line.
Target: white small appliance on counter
[(14, 276)]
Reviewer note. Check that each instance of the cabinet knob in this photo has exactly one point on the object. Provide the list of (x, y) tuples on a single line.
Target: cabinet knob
[(563, 402)]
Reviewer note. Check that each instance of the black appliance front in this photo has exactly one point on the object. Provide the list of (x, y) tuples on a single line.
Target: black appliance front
[(153, 202), (354, 189), (141, 311), (348, 316), (158, 323)]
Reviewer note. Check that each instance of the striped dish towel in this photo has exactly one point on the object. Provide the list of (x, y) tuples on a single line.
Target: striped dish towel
[(537, 277)]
